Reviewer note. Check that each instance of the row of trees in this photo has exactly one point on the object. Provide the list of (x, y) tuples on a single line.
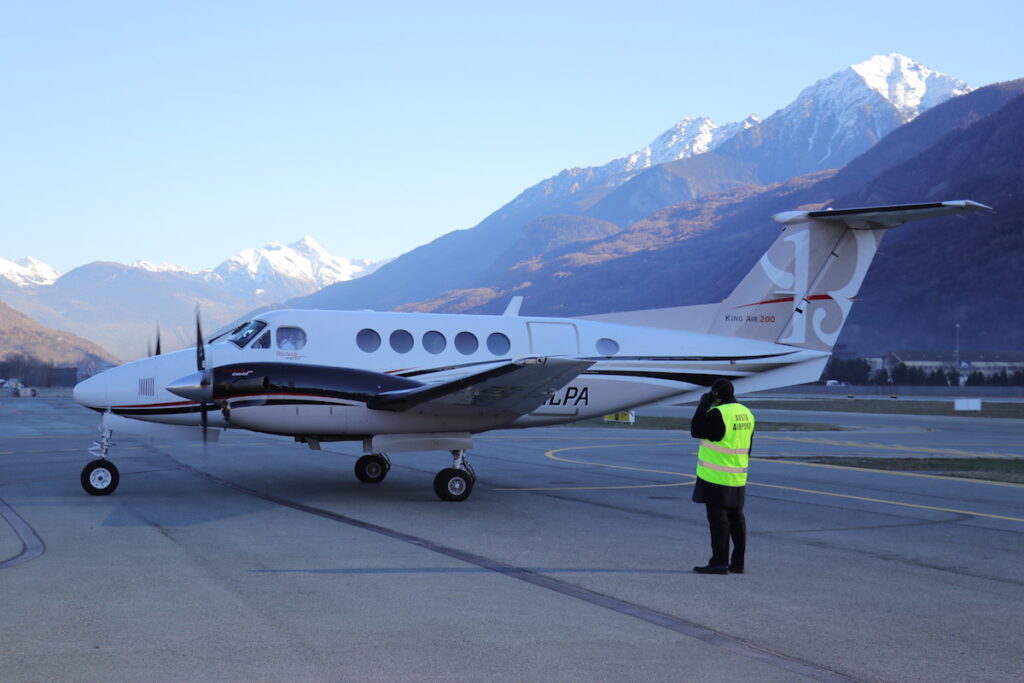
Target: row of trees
[(32, 371), (858, 371)]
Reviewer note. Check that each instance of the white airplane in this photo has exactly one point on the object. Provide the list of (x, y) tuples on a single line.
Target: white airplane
[(419, 382)]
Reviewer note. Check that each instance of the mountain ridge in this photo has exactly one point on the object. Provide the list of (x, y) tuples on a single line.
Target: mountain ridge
[(466, 259)]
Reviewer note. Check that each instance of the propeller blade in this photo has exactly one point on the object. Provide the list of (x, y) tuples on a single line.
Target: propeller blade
[(205, 382), (149, 349), (157, 340), (200, 351)]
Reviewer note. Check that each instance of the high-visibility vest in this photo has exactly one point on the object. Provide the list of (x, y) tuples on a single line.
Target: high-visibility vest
[(725, 462)]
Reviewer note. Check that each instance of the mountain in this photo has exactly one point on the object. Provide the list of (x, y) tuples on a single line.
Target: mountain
[(119, 306), (829, 123), (928, 276), (22, 335), (277, 272), (28, 272)]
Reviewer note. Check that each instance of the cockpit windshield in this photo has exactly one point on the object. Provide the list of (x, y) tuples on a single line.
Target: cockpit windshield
[(245, 332)]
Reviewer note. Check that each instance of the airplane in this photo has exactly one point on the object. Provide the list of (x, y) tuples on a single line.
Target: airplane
[(399, 382)]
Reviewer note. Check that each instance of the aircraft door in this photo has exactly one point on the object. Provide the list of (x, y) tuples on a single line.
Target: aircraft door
[(553, 339)]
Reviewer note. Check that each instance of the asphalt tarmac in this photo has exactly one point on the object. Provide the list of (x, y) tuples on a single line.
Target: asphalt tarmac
[(261, 560)]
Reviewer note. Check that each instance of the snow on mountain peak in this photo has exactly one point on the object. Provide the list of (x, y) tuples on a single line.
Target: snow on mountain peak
[(301, 267), (28, 272), (159, 268), (909, 86)]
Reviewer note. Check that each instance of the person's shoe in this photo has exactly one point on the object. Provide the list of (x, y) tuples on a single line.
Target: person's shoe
[(735, 568), (708, 569)]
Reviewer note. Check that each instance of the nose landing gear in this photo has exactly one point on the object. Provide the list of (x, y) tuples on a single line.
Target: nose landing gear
[(100, 477)]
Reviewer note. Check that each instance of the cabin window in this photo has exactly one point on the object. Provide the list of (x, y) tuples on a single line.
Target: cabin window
[(401, 341), (466, 343), (263, 342), (368, 340), (607, 347), (434, 342), (290, 338), (498, 344)]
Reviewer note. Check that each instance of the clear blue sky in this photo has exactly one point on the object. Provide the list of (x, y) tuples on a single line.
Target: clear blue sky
[(183, 132)]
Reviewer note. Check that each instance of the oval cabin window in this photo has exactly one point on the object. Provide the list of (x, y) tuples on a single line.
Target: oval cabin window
[(368, 340), (498, 344), (401, 341), (434, 342), (466, 343)]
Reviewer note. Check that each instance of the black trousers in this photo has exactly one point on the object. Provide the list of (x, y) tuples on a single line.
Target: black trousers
[(727, 523)]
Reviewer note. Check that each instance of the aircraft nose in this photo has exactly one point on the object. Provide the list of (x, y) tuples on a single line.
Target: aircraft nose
[(92, 393), (195, 387)]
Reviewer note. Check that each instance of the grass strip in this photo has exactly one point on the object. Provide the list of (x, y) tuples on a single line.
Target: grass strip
[(990, 469), (890, 407)]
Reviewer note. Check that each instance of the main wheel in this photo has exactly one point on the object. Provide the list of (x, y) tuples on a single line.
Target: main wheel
[(100, 478), (371, 469), (453, 485)]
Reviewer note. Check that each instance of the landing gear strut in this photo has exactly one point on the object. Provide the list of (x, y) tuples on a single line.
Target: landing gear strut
[(100, 477), (456, 482)]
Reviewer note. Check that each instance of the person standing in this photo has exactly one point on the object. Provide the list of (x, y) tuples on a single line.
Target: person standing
[(726, 430)]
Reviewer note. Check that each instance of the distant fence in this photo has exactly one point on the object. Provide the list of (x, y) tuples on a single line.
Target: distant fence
[(901, 390)]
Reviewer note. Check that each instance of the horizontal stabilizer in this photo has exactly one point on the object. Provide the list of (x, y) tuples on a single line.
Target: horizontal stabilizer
[(515, 389), (875, 217)]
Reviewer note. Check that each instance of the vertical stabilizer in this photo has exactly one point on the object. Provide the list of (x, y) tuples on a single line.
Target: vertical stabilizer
[(802, 289)]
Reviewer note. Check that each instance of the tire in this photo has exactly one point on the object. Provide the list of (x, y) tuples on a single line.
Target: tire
[(100, 478), (453, 485), (371, 469)]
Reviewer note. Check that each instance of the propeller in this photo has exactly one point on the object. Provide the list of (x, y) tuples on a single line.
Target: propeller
[(205, 378), (149, 345)]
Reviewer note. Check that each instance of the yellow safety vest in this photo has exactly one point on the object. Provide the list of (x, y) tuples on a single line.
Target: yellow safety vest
[(725, 462)]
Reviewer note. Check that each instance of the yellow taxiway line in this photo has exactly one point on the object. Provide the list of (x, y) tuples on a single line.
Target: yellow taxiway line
[(553, 455)]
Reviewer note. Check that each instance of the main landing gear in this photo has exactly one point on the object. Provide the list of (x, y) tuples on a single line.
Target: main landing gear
[(454, 483), (371, 469), (100, 477)]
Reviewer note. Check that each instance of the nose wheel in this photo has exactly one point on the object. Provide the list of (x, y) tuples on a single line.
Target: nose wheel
[(100, 477)]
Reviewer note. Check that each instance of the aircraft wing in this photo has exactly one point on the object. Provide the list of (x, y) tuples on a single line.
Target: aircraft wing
[(515, 388)]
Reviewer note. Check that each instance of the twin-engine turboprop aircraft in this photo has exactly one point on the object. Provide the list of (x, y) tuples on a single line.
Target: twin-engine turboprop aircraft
[(417, 382)]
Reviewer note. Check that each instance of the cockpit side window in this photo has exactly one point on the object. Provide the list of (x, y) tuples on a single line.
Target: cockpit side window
[(244, 334), (263, 342), (290, 338)]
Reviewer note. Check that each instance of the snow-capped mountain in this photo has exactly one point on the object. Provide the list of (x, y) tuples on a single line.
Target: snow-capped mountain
[(829, 124), (145, 294), (907, 85), (28, 272), (839, 117), (833, 120), (292, 270)]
